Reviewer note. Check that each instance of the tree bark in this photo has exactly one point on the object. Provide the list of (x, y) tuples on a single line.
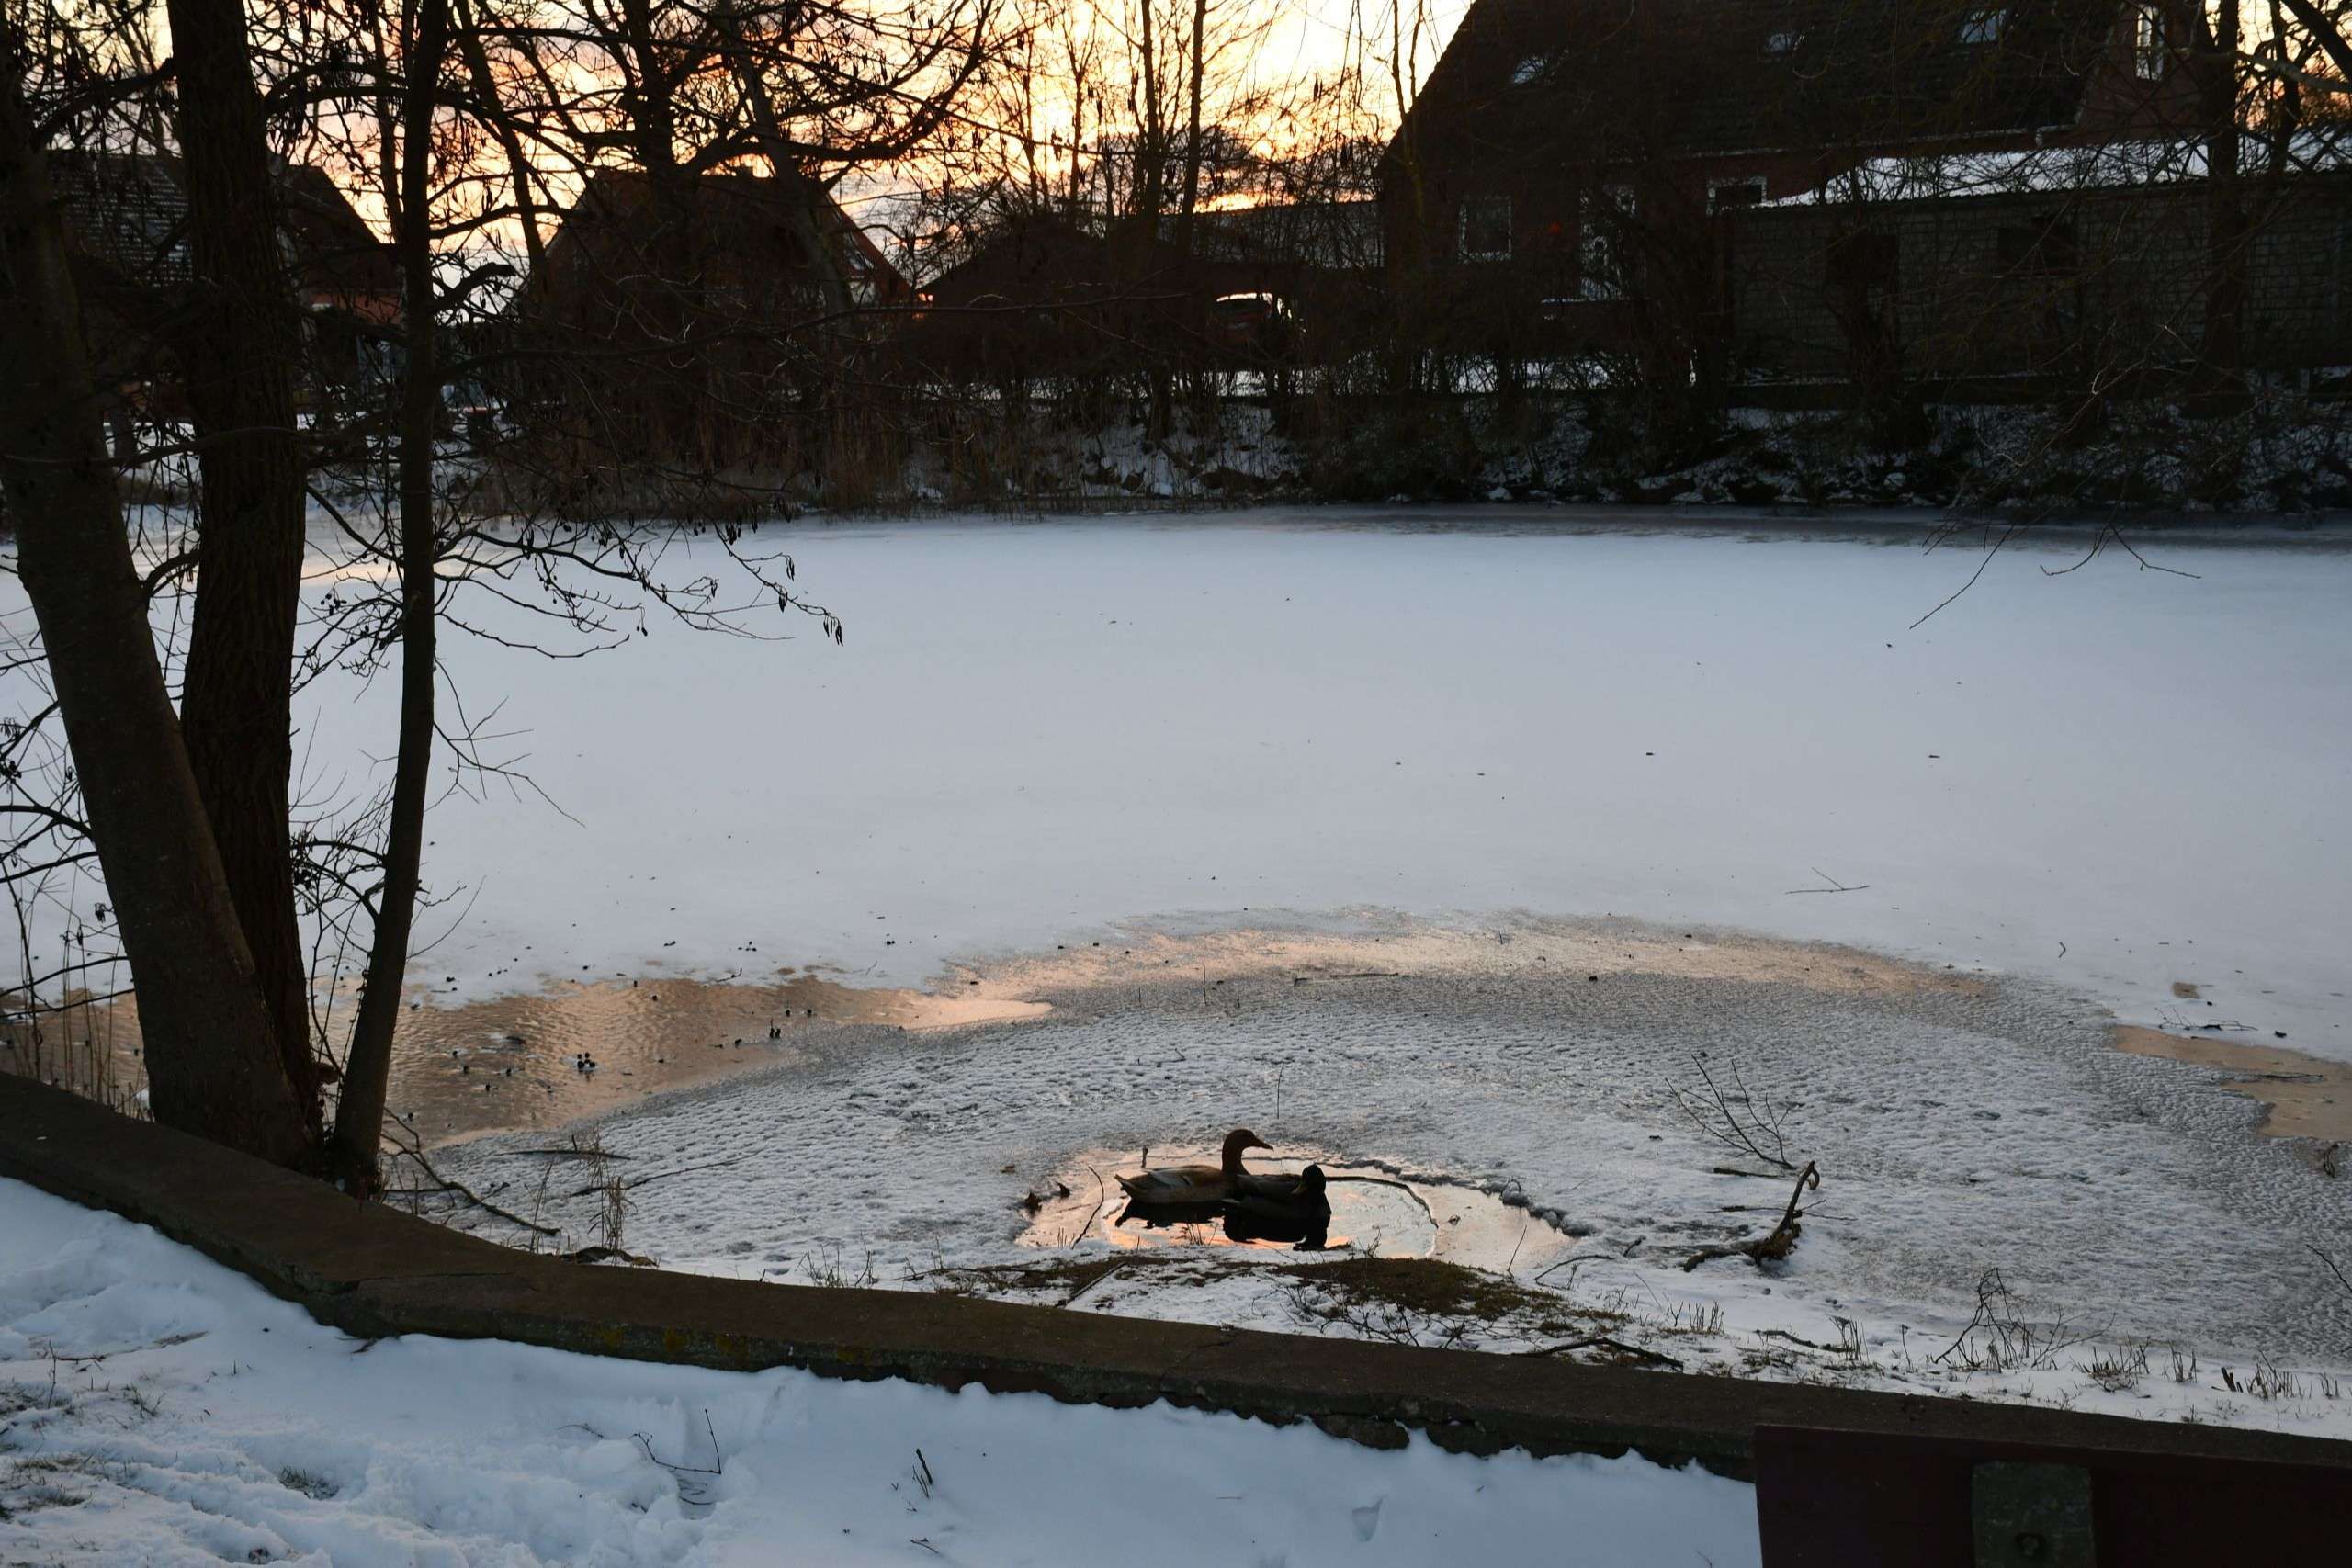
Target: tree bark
[(1199, 63), (212, 1062), (238, 362), (359, 1113), (2226, 220)]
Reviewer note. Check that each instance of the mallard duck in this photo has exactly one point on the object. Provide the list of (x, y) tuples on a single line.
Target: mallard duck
[(1279, 1186), (1194, 1183), (1302, 1215)]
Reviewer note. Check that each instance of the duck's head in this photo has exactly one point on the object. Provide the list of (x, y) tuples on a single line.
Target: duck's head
[(1237, 1141), (1310, 1181)]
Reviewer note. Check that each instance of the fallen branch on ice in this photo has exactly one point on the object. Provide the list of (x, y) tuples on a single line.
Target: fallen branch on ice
[(1835, 885), (1604, 1341), (414, 1150), (1772, 1247)]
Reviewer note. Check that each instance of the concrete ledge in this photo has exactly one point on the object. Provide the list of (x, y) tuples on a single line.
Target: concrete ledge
[(370, 1271)]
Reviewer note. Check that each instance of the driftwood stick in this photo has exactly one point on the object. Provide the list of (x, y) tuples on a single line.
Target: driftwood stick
[(1775, 1244), (2332, 1267), (1101, 1192), (1095, 1279), (1604, 1341), (414, 1149)]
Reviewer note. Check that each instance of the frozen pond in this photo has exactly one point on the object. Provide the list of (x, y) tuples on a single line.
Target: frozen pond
[(1438, 844), (2116, 779)]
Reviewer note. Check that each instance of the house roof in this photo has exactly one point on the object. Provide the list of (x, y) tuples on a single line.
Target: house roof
[(1313, 233), (338, 254), (1028, 259), (1629, 80), (745, 234), (125, 216)]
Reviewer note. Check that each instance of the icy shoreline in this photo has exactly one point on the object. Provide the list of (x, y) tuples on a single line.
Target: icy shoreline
[(1963, 1125)]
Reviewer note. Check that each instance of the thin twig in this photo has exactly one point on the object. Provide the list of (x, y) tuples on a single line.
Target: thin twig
[(414, 1150)]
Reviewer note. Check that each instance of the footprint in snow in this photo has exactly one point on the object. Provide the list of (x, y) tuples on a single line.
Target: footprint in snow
[(1367, 1520)]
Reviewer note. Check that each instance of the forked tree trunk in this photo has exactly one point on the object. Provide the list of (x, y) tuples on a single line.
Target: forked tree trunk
[(360, 1112), (239, 359), (467, 33), (212, 1062)]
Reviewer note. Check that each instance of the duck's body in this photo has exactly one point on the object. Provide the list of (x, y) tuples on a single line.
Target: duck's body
[(1302, 1213), (1278, 1187), (1174, 1185)]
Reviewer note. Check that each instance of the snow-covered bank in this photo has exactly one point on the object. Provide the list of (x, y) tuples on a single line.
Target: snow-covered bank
[(156, 1408), (2114, 779)]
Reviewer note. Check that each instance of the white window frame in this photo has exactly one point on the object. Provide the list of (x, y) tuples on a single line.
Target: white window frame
[(1985, 25), (2151, 54), (1488, 199)]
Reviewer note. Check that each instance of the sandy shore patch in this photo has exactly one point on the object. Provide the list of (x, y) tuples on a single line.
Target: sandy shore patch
[(2307, 1097), (1538, 947)]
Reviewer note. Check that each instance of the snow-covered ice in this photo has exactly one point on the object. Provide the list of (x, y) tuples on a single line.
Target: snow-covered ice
[(156, 1408), (1961, 1126), (1035, 730)]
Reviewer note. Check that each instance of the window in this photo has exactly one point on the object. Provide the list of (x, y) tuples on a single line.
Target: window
[(1783, 43), (1601, 222), (1723, 196), (1530, 68), (1485, 229), (1984, 27), (2150, 58)]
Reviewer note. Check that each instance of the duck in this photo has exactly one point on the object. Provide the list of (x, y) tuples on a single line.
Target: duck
[(1194, 1184), (1278, 1187), (1302, 1215)]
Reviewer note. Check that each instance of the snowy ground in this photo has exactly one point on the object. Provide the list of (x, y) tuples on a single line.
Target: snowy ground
[(156, 1408)]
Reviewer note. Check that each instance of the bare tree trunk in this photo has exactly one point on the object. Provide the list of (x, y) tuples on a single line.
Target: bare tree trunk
[(213, 1067), (519, 166), (2225, 218), (1151, 195), (240, 359), (802, 192), (682, 414), (1199, 63), (1151, 189), (359, 1115)]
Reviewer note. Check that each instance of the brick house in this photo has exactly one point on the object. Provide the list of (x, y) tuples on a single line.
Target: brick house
[(126, 220), (1568, 174), (687, 322)]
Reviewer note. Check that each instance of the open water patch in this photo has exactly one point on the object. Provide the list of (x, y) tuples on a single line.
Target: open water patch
[(1373, 1212)]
